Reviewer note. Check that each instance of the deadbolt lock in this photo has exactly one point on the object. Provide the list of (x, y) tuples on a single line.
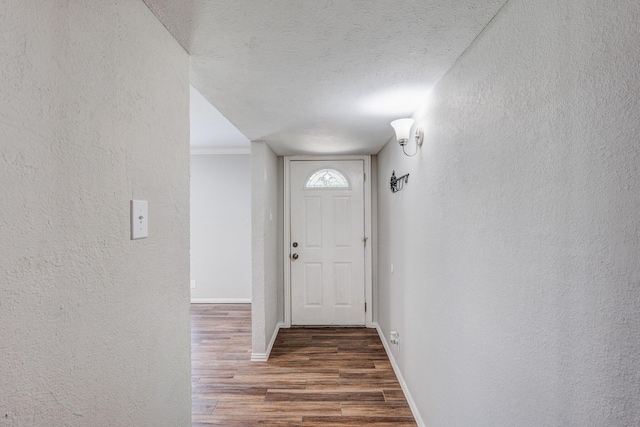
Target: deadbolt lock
[(295, 244)]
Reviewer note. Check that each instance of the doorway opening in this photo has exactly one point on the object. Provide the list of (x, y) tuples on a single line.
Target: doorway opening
[(327, 247)]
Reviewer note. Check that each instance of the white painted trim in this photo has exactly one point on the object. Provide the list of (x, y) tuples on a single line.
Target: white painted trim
[(220, 300), (196, 151), (286, 276), (368, 250), (403, 384), (263, 357), (368, 254)]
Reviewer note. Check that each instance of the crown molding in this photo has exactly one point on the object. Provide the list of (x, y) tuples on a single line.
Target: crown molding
[(195, 151)]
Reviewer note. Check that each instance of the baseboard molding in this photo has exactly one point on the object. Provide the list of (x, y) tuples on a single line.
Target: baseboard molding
[(403, 384), (259, 357), (263, 357), (220, 300)]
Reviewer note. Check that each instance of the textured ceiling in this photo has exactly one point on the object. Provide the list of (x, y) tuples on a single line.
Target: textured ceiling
[(321, 76)]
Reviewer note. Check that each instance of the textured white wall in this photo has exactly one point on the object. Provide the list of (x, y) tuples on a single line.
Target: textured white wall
[(516, 241), (221, 227), (265, 211), (94, 327)]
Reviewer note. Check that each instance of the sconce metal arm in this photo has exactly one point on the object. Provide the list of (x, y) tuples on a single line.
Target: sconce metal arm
[(418, 137)]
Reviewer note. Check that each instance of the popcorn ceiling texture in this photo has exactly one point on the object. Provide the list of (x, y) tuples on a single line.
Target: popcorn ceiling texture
[(299, 75), (516, 242), (94, 327)]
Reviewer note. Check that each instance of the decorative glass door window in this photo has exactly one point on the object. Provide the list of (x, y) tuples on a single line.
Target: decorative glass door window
[(327, 178)]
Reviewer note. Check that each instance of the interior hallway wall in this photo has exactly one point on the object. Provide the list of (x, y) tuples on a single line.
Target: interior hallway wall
[(94, 327), (266, 230), (221, 227), (516, 241)]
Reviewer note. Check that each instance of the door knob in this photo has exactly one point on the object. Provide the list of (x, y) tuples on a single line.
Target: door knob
[(294, 256)]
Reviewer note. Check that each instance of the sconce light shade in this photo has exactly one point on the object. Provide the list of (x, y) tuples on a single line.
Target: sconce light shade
[(402, 128)]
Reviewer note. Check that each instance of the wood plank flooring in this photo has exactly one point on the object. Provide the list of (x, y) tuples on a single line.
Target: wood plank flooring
[(315, 377)]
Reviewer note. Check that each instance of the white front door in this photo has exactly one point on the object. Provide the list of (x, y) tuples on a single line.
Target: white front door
[(327, 242)]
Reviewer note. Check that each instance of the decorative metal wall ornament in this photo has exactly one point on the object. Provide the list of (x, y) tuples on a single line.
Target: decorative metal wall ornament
[(397, 184)]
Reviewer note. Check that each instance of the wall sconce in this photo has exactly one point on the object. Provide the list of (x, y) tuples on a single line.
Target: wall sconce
[(402, 127)]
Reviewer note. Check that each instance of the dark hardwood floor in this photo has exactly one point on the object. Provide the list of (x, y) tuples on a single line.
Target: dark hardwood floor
[(314, 377)]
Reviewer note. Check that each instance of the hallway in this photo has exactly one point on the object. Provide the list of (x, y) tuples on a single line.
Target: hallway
[(314, 377)]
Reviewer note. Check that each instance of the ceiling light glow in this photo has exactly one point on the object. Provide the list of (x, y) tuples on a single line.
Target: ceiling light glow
[(400, 102)]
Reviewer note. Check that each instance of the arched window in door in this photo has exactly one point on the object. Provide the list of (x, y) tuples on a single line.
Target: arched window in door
[(327, 178)]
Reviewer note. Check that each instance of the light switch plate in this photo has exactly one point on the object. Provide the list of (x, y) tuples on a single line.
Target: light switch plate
[(139, 220)]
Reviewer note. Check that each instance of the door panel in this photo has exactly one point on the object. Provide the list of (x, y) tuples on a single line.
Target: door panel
[(342, 282), (313, 284), (341, 221), (313, 222), (327, 223)]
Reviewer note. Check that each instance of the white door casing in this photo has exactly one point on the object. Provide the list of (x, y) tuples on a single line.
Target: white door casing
[(327, 244)]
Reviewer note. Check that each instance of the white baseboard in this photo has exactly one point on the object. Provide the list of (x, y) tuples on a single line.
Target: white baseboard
[(403, 384), (220, 300), (263, 357)]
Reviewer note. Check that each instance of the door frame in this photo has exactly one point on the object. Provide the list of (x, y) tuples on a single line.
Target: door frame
[(368, 257)]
